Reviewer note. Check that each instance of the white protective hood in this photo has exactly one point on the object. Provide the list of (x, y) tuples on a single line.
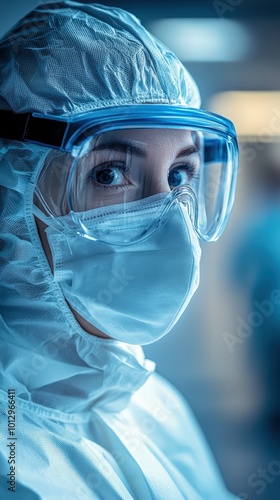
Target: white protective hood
[(65, 58)]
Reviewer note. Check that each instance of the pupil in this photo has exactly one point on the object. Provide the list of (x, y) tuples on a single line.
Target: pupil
[(105, 176)]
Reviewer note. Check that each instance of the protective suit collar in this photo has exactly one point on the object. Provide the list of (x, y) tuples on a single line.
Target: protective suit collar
[(94, 373)]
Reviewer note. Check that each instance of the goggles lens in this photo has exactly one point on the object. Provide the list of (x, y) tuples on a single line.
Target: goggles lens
[(115, 172)]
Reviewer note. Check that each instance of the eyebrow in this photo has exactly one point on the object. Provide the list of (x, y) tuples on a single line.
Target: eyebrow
[(188, 151), (127, 147), (123, 147)]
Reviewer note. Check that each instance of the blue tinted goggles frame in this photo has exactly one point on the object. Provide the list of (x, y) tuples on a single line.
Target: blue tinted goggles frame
[(67, 132), (70, 133)]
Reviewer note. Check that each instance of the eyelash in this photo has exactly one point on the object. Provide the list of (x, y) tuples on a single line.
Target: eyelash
[(190, 168)]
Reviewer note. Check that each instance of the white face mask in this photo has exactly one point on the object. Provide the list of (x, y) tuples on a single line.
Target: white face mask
[(133, 293)]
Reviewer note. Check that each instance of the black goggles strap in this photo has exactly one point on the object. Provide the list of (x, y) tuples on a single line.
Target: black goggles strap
[(26, 127)]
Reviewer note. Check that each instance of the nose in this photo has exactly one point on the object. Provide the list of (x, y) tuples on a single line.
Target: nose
[(155, 183)]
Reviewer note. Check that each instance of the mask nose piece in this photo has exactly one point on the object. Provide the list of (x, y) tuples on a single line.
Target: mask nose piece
[(187, 197)]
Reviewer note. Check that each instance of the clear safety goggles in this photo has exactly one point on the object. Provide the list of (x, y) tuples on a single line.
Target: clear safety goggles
[(137, 159)]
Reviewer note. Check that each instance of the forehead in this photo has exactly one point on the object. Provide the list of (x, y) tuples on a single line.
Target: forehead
[(147, 138)]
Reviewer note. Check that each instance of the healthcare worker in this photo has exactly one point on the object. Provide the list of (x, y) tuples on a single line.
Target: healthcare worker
[(110, 174)]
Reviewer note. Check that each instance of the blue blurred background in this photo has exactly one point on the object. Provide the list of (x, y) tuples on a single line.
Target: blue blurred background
[(224, 354)]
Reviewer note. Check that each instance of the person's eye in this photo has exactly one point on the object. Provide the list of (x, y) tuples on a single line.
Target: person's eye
[(182, 174), (109, 174)]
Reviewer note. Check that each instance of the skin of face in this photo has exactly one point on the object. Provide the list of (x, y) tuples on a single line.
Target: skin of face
[(118, 166)]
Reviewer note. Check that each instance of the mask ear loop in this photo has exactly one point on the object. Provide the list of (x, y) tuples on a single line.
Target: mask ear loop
[(50, 220)]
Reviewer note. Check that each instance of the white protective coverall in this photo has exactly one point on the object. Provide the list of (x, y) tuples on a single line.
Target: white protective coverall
[(93, 419)]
